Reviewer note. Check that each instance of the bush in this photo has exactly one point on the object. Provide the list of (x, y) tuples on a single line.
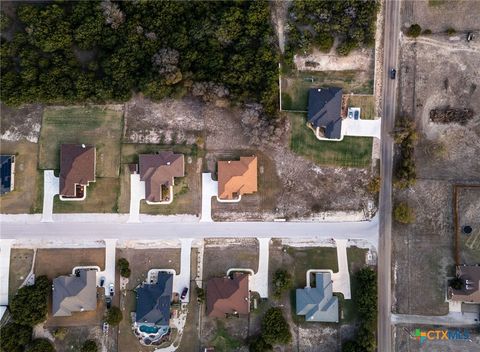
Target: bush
[(258, 344), (324, 42), (15, 337), (414, 30), (114, 316), (124, 267), (282, 281), (200, 294), (374, 185), (456, 283), (450, 31), (29, 305), (60, 333), (89, 346), (427, 32), (41, 345), (275, 329), (403, 214)]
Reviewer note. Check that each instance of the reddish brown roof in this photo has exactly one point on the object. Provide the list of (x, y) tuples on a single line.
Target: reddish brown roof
[(77, 166), (158, 170), (227, 296), (470, 292), (237, 177)]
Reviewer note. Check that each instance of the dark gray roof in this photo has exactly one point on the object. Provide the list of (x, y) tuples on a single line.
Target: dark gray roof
[(74, 293), (324, 110), (153, 301), (318, 303)]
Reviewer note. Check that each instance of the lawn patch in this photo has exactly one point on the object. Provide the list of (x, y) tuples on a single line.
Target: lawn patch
[(350, 152), (223, 341), (99, 126), (366, 103), (295, 86)]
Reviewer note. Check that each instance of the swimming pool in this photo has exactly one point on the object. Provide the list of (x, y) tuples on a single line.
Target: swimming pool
[(148, 329)]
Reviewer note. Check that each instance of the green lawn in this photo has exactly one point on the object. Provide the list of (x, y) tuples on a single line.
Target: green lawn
[(350, 152), (99, 126), (296, 84)]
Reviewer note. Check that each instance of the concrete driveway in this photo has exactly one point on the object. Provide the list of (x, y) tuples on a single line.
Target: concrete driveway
[(259, 281), (209, 190), (182, 280), (110, 263), (5, 248), (137, 193), (361, 128), (51, 187)]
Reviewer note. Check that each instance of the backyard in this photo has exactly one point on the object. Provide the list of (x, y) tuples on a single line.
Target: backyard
[(350, 152)]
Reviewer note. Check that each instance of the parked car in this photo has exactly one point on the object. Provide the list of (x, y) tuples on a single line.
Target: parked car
[(393, 73), (105, 328), (184, 293), (108, 301), (356, 114), (112, 289), (102, 281), (350, 114), (469, 36)]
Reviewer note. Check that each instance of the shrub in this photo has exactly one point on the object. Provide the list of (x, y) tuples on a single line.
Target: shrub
[(60, 333), (15, 337), (427, 31), (258, 344), (124, 267), (450, 31), (41, 345), (89, 346), (29, 305), (414, 30), (374, 185), (403, 214), (456, 283), (200, 294), (114, 316), (275, 329), (324, 42), (282, 281)]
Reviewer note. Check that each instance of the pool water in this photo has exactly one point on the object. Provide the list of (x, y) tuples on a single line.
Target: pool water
[(148, 329)]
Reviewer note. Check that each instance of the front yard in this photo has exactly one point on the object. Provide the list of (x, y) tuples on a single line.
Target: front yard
[(350, 152)]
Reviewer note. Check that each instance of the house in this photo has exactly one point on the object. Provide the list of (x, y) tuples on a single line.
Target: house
[(153, 302), (470, 291), (77, 170), (324, 111), (74, 293), (7, 173), (318, 303), (227, 295), (237, 177), (158, 171)]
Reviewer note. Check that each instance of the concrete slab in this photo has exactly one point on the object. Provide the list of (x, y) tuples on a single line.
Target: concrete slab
[(361, 128), (209, 190), (137, 193), (259, 281), (182, 280)]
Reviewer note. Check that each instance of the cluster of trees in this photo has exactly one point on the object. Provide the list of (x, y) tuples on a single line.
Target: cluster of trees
[(414, 30), (316, 23), (366, 302), (403, 213), (282, 281), (77, 51), (89, 346), (405, 136), (124, 267), (275, 330), (114, 316), (28, 308)]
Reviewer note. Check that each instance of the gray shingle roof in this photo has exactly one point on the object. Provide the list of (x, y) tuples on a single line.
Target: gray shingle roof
[(324, 110), (153, 301), (74, 293), (318, 303)]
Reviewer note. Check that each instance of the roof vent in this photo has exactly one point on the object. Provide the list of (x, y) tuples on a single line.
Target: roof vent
[(229, 161), (319, 89), (168, 162), (83, 146)]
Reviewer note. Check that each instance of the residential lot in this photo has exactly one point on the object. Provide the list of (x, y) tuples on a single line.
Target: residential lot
[(97, 125), (20, 265), (72, 338), (22, 123), (366, 103), (350, 152), (468, 212), (22, 199)]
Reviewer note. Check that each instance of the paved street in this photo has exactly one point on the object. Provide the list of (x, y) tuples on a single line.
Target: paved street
[(392, 31), (30, 229)]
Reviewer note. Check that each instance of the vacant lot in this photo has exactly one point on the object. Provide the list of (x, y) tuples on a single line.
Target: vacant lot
[(97, 125), (351, 151), (468, 210), (101, 198), (22, 199), (22, 123), (366, 103), (295, 85), (61, 261), (187, 190), (20, 265)]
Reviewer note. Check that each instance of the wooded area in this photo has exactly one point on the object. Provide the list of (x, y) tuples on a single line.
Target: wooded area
[(316, 23), (65, 52)]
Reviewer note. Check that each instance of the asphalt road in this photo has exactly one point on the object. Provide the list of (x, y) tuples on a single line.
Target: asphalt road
[(391, 35)]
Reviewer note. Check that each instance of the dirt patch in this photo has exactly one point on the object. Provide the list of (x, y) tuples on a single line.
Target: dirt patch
[(22, 199), (21, 123), (20, 266), (360, 59), (468, 210), (76, 336)]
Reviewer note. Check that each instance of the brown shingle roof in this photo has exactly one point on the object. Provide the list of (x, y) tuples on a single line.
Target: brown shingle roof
[(77, 166), (470, 275), (237, 177), (158, 170), (226, 296)]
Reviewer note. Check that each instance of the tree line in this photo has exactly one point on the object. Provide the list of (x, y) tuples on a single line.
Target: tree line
[(98, 51)]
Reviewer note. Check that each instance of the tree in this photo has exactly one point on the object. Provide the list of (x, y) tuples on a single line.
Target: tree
[(456, 283), (374, 185), (124, 267), (114, 316), (403, 213), (275, 329), (282, 281), (414, 30), (89, 346), (200, 294), (40, 345), (258, 344), (450, 31), (29, 305), (15, 337)]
